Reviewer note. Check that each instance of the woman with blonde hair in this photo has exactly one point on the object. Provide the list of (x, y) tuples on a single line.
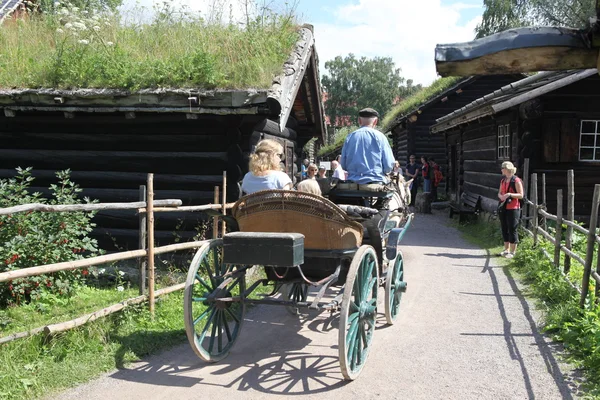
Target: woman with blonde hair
[(309, 186), (509, 208), (311, 171), (265, 172)]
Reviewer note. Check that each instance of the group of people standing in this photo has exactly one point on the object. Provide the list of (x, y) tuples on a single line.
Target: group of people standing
[(427, 171)]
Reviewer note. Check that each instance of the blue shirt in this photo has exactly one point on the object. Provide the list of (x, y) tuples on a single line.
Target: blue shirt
[(367, 156), (273, 180)]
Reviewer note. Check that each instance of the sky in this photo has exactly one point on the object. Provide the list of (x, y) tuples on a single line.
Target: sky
[(405, 30)]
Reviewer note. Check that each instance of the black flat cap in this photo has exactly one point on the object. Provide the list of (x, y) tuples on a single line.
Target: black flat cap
[(368, 112)]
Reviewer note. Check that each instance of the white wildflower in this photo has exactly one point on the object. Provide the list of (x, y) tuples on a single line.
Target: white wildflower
[(101, 271), (121, 273), (110, 44), (60, 31), (107, 23), (63, 11), (68, 25), (95, 17), (97, 28), (56, 4), (84, 41), (120, 288), (75, 9), (79, 26)]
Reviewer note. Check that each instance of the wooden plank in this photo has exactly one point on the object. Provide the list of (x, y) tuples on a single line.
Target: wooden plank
[(558, 232), (143, 240), (569, 140), (551, 142), (84, 207), (483, 178), (187, 197), (591, 242), (570, 216)]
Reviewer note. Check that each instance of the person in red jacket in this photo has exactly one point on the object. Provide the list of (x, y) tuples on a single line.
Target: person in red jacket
[(509, 209)]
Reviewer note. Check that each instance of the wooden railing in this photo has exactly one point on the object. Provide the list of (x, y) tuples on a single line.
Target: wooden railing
[(145, 254), (535, 222)]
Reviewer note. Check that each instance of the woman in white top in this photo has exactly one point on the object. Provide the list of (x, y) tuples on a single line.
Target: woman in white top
[(265, 173)]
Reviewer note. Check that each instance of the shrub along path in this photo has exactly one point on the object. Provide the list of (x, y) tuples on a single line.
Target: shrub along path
[(465, 332)]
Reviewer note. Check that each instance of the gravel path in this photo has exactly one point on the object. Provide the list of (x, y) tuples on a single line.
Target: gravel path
[(465, 332)]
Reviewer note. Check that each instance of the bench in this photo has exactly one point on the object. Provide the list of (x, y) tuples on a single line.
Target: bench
[(469, 204)]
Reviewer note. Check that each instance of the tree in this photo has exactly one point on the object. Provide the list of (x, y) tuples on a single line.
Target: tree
[(354, 83), (500, 15)]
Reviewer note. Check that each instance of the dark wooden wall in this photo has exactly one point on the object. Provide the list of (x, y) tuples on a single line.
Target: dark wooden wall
[(557, 149), (109, 157), (478, 169)]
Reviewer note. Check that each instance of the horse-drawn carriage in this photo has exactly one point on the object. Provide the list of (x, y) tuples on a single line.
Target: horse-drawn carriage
[(302, 240)]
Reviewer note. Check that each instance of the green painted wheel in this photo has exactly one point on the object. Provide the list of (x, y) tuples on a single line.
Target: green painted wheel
[(359, 310), (394, 287), (294, 292), (212, 327)]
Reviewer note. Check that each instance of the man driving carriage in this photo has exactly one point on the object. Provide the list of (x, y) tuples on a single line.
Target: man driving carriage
[(367, 154), (368, 158)]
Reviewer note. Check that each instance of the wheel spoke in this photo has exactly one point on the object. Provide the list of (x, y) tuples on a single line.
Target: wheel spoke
[(233, 315), (211, 344), (205, 329), (227, 330), (220, 331), (199, 299), (199, 279), (350, 342), (201, 316), (353, 307), (358, 350), (357, 289)]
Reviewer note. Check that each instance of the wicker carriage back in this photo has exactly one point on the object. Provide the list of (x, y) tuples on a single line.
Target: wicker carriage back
[(324, 225)]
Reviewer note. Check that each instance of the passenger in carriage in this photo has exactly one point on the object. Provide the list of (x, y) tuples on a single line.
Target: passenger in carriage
[(309, 186), (367, 155), (265, 171)]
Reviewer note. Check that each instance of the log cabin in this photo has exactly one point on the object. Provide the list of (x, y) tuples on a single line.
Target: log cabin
[(410, 125), (111, 139), (10, 8), (551, 118)]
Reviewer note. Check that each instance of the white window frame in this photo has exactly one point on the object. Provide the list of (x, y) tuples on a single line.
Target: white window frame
[(503, 142), (596, 135)]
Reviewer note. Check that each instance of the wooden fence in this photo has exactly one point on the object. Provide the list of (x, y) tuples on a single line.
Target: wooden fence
[(146, 254), (535, 222)]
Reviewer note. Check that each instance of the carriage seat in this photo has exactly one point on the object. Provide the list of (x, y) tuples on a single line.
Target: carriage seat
[(354, 190), (324, 225)]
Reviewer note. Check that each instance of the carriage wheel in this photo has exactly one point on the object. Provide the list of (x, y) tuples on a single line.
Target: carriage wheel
[(294, 292), (359, 309), (394, 287), (212, 327)]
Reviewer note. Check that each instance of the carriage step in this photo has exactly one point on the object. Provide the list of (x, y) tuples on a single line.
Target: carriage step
[(263, 248)]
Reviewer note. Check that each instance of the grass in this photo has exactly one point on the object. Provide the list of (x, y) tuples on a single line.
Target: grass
[(73, 49), (413, 102), (578, 329), (32, 368)]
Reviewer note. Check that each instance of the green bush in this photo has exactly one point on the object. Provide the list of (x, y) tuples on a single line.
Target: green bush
[(38, 238)]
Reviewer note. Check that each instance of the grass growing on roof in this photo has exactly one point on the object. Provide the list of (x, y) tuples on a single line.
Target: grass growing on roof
[(414, 101), (74, 49), (338, 140)]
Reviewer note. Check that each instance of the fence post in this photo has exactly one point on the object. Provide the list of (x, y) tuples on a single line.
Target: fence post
[(142, 243), (216, 219), (534, 200), (559, 220), (150, 252), (224, 194), (570, 216), (526, 190), (591, 244), (545, 224)]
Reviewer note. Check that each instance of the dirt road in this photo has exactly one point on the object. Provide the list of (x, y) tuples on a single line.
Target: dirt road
[(465, 332)]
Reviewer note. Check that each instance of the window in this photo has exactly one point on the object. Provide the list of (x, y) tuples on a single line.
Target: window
[(504, 142), (589, 140)]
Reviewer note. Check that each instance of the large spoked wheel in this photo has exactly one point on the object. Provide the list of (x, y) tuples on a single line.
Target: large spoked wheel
[(359, 310), (295, 292), (212, 326), (394, 287)]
